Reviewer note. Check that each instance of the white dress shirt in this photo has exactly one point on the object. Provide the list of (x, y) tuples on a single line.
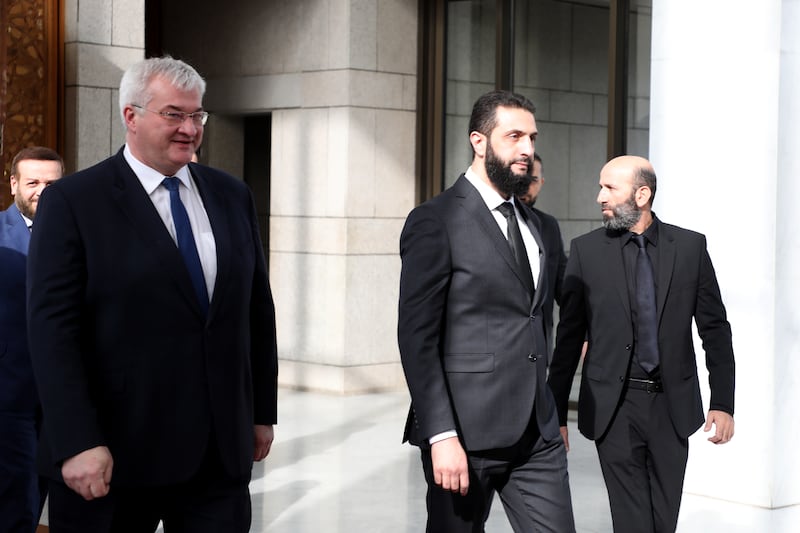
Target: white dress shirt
[(198, 218)]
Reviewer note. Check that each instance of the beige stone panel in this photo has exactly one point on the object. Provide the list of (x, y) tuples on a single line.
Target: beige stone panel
[(372, 293), (367, 236), (553, 146), (117, 126), (71, 26), (337, 47), (253, 93), (310, 296), (341, 379), (363, 34), (600, 110), (223, 139), (323, 236), (587, 156), (127, 23), (397, 36), (589, 59), (540, 99), (571, 107), (317, 31), (92, 132), (376, 89), (338, 158), (542, 52), (94, 21), (361, 172), (326, 89), (394, 138), (98, 66), (271, 38), (70, 127), (301, 171)]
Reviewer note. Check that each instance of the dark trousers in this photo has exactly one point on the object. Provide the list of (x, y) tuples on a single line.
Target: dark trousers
[(20, 497), (210, 502), (530, 478), (643, 461)]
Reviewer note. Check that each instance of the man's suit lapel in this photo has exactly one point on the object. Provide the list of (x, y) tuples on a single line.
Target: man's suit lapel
[(17, 230), (473, 202), (667, 255), (217, 212), (137, 207)]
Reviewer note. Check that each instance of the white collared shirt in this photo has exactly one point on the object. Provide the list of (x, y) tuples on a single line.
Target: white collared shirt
[(198, 217), (493, 200)]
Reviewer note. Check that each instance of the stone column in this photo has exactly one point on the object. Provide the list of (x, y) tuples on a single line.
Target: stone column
[(724, 142), (102, 39)]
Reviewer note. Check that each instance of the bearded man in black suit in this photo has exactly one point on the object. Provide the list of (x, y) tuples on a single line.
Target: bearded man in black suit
[(632, 288), (473, 337)]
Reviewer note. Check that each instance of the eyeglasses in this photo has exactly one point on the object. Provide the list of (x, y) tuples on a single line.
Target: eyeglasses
[(176, 118)]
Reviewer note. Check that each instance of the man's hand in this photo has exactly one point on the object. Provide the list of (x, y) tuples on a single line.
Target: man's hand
[(565, 436), (264, 436), (724, 423), (89, 472), (450, 465)]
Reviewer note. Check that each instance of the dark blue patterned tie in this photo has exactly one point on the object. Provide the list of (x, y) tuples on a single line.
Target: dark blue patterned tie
[(186, 243), (646, 320)]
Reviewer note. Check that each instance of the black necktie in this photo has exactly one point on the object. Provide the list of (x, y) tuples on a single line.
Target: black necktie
[(516, 244), (186, 244), (646, 320)]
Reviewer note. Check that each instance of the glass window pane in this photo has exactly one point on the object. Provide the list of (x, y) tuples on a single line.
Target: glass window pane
[(637, 134), (561, 64), (471, 45)]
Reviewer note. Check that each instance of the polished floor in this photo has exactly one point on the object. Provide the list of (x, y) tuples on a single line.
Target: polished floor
[(337, 466)]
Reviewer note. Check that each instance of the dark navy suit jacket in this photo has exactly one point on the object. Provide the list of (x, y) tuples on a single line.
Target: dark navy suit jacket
[(20, 503), (122, 352), (17, 389)]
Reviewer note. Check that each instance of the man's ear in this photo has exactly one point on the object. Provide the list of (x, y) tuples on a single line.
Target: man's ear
[(643, 195), (478, 142)]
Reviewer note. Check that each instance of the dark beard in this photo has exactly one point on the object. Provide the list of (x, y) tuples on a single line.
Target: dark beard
[(501, 175), (625, 216)]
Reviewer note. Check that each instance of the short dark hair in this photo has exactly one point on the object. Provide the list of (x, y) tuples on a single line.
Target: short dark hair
[(644, 177), (537, 157), (484, 112), (36, 153)]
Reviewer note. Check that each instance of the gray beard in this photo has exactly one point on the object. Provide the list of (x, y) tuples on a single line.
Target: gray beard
[(625, 217)]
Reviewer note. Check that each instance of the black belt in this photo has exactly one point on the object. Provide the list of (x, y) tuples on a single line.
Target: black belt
[(647, 385)]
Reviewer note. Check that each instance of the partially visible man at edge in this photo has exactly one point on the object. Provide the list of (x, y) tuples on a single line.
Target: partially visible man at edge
[(152, 327), (22, 493), (556, 259), (633, 287)]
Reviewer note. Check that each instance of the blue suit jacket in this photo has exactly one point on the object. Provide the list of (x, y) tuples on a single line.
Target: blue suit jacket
[(17, 389)]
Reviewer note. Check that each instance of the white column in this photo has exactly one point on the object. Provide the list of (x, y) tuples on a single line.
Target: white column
[(724, 143)]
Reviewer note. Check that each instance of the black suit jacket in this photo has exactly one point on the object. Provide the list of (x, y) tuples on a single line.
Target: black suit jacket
[(121, 351), (472, 342), (595, 300)]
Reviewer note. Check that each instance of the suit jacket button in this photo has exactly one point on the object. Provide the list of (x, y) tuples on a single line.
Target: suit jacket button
[(622, 378), (531, 358), (628, 347)]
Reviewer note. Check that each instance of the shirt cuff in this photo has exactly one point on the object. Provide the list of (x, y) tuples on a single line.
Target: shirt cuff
[(441, 436)]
